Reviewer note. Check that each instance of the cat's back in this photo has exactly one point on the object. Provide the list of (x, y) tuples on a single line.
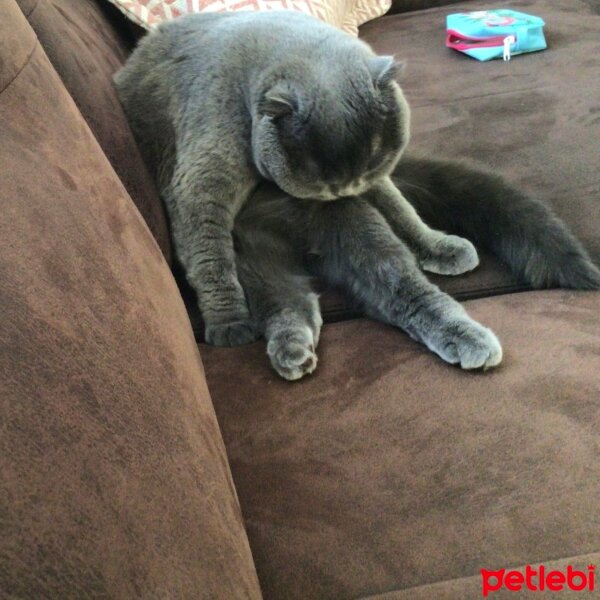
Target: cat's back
[(283, 27), (208, 41)]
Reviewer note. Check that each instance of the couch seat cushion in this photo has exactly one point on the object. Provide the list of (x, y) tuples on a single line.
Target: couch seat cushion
[(389, 469)]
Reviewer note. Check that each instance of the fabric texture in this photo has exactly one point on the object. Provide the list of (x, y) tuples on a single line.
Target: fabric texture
[(115, 482), (345, 14), (388, 469), (86, 45)]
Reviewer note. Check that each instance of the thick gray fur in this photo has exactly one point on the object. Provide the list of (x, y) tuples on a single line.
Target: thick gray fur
[(350, 244), (359, 244), (223, 104), (219, 103)]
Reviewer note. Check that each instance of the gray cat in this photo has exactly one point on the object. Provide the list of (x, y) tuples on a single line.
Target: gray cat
[(359, 245), (219, 103)]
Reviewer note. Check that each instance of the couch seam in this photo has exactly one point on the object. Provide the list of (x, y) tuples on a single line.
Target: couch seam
[(346, 313), (20, 69), (483, 292)]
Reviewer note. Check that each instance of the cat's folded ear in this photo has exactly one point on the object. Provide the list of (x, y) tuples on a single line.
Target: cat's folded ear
[(384, 69), (280, 100)]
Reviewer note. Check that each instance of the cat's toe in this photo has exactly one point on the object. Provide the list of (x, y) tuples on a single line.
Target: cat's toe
[(235, 333), (292, 354), (473, 347), (451, 255)]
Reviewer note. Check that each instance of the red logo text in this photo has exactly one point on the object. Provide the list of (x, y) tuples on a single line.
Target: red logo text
[(538, 579)]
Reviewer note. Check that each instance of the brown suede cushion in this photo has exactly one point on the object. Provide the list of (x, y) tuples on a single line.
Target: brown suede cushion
[(535, 119), (389, 469), (115, 482), (86, 42)]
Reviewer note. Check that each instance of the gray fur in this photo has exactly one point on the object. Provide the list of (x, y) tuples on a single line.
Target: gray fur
[(478, 204), (436, 252), (353, 247), (370, 248), (219, 103)]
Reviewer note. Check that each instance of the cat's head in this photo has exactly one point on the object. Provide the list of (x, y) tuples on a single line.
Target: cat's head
[(328, 135)]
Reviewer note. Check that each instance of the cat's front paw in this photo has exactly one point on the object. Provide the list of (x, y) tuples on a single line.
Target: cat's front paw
[(292, 353), (450, 255), (234, 333), (470, 345)]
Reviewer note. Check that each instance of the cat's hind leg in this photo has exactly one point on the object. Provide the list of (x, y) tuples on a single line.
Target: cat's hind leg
[(282, 303), (361, 253), (292, 336)]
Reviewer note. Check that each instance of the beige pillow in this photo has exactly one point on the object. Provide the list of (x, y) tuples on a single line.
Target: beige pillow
[(345, 14)]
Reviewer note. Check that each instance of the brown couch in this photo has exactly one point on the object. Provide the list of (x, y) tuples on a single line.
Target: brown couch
[(137, 464)]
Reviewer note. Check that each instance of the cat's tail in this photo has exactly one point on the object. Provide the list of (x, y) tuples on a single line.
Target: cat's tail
[(523, 232)]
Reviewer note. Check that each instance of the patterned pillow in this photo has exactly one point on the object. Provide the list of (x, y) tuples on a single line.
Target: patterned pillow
[(345, 14)]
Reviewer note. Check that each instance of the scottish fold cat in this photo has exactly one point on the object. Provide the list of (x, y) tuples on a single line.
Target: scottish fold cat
[(221, 102), (290, 134)]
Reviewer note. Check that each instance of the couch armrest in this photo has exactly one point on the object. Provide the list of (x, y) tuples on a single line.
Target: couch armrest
[(115, 481)]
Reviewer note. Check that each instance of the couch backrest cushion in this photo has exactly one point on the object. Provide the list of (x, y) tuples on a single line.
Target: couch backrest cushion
[(346, 15), (115, 482), (86, 45)]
